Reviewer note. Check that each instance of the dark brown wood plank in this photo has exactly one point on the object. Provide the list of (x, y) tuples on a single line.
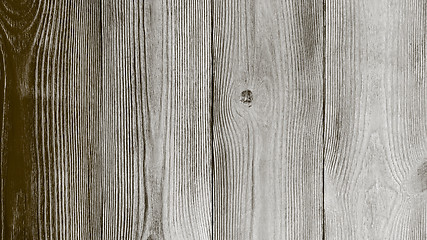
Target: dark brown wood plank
[(156, 142), (268, 101), (376, 119), (49, 61)]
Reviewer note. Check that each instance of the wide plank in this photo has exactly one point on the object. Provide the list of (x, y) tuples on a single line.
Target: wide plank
[(376, 119), (49, 71), (268, 119), (156, 119)]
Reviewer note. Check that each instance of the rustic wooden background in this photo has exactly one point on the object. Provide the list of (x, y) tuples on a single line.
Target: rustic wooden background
[(213, 119)]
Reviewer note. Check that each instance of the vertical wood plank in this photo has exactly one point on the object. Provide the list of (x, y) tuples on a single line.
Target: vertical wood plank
[(268, 115), (156, 141), (49, 61), (376, 119)]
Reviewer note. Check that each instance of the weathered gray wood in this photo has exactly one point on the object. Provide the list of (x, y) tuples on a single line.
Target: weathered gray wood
[(115, 116), (376, 119), (155, 119), (49, 70), (268, 101)]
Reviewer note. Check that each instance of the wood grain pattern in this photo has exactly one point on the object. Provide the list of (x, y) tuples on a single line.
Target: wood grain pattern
[(156, 146), (376, 118), (49, 65), (268, 116), (226, 120)]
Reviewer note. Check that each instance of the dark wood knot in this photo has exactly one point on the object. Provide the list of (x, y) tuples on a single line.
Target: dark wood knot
[(246, 97)]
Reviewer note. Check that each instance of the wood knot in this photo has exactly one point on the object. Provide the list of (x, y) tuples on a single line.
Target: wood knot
[(246, 97)]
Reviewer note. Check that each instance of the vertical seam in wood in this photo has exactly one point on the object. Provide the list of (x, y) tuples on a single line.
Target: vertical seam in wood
[(145, 126), (99, 90), (324, 120), (212, 118)]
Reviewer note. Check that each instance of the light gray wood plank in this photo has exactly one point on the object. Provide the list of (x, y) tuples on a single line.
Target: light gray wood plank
[(268, 115), (376, 118), (156, 121)]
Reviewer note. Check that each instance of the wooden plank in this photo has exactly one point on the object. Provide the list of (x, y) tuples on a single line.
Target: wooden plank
[(268, 115), (376, 119), (49, 61), (155, 120)]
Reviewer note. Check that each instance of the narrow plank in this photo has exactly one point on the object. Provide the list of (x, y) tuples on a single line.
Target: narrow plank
[(49, 55), (376, 119), (268, 115), (155, 119)]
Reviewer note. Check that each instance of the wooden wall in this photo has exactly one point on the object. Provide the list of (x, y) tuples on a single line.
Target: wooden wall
[(210, 119)]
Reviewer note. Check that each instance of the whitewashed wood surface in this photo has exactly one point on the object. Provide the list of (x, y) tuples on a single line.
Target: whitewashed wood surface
[(213, 119)]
